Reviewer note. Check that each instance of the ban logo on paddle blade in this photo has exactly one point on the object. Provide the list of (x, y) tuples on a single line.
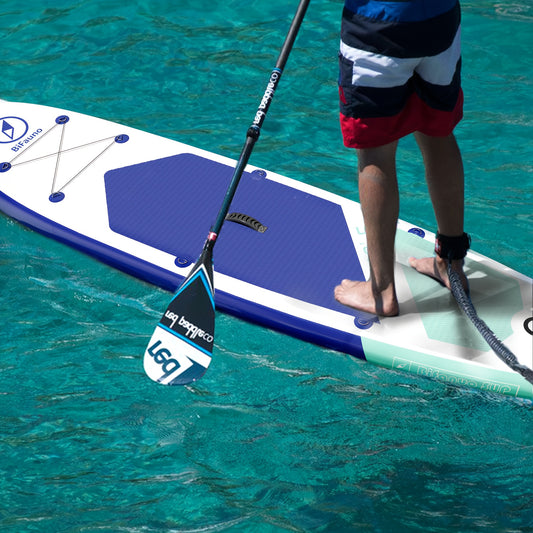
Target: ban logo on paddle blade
[(180, 349)]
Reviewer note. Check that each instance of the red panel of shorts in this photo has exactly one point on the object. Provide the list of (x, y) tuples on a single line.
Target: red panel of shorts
[(415, 116)]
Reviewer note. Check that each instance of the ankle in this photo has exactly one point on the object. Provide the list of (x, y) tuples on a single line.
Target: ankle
[(457, 264), (384, 288)]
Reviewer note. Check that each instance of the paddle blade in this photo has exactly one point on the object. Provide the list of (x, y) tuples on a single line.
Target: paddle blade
[(181, 346)]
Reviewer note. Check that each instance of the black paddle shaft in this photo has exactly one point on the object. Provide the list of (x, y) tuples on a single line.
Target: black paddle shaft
[(255, 129), (181, 346)]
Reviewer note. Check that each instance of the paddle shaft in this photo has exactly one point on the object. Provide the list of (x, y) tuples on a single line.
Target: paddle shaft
[(255, 129), (180, 349)]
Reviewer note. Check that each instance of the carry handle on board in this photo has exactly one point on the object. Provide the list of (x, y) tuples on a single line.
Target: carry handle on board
[(181, 346)]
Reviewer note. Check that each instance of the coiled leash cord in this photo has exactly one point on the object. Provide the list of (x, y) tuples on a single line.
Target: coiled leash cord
[(455, 248)]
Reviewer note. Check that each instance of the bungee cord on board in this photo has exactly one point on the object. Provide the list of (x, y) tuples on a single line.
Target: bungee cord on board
[(56, 194)]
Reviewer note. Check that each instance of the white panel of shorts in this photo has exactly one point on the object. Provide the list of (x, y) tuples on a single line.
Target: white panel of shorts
[(377, 70)]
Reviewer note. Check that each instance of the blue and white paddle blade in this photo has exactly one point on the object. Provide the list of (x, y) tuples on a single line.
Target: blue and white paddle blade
[(181, 346)]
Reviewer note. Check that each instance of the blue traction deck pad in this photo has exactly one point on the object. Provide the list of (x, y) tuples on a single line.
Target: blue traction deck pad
[(171, 203)]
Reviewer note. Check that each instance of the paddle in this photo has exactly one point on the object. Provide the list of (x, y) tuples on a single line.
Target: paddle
[(181, 346)]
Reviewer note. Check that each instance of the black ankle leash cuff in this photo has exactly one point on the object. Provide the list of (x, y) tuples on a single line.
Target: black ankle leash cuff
[(452, 247)]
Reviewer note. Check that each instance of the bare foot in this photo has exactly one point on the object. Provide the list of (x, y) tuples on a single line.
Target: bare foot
[(437, 268), (360, 295)]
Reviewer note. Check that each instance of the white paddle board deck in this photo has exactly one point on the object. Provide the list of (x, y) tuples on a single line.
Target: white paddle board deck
[(145, 204)]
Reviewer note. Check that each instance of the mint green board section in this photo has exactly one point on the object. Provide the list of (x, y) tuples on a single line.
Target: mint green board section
[(496, 297), (457, 372)]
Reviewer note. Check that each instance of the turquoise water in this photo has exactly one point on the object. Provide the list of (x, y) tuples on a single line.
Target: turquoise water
[(279, 435)]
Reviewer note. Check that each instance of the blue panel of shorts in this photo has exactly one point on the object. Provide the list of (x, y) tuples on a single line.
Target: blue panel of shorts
[(400, 10), (418, 38)]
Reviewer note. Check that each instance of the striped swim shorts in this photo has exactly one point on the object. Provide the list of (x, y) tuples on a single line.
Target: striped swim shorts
[(399, 70)]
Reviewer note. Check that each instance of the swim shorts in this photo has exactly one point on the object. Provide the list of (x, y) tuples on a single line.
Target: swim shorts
[(400, 70)]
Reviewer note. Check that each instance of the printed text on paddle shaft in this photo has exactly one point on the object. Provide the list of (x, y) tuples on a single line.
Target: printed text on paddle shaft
[(267, 97)]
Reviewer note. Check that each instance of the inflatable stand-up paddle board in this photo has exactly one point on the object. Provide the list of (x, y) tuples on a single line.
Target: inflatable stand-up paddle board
[(144, 204)]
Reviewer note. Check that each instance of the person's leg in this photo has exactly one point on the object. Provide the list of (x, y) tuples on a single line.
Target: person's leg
[(445, 180), (378, 194)]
